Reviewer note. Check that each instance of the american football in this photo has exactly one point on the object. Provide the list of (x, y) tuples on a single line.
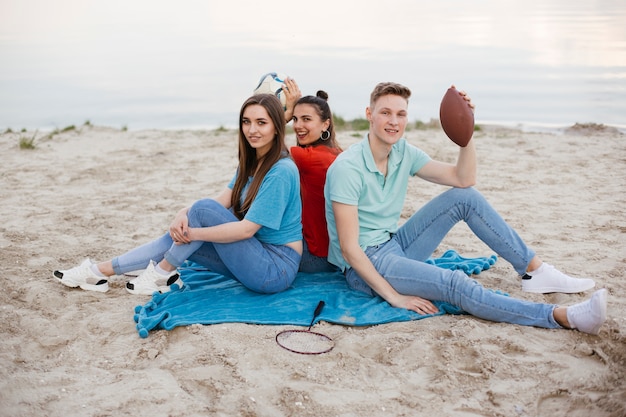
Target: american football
[(456, 117)]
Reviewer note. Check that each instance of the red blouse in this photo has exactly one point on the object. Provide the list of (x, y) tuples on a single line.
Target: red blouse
[(313, 162)]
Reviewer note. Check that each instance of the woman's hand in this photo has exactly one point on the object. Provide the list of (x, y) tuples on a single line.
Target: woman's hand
[(414, 303), (179, 229), (292, 95)]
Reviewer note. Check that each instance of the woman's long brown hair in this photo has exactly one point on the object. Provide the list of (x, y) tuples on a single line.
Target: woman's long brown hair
[(249, 165)]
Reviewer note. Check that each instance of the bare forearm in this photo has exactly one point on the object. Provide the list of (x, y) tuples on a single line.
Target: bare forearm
[(366, 270), (466, 165), (379, 284), (224, 233)]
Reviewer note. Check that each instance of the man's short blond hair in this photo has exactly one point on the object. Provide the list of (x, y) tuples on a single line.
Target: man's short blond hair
[(389, 88)]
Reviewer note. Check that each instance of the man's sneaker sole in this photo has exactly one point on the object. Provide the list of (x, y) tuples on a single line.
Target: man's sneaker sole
[(100, 286), (548, 290)]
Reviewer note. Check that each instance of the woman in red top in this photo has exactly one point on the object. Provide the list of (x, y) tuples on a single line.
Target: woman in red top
[(317, 149)]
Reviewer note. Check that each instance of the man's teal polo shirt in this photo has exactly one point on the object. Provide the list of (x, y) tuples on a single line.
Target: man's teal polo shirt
[(354, 179)]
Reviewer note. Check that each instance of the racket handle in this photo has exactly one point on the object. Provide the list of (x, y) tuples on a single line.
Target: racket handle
[(318, 309), (317, 312)]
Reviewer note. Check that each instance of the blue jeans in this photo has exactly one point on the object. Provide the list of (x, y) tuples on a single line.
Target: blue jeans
[(400, 260), (312, 264), (261, 267)]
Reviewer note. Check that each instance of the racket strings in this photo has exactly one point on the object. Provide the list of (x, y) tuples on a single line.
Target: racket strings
[(303, 341)]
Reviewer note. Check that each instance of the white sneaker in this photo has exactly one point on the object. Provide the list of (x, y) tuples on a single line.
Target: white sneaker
[(548, 279), (82, 276), (588, 316), (150, 281)]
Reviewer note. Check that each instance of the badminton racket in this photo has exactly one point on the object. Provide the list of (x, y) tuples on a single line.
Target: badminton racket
[(306, 342)]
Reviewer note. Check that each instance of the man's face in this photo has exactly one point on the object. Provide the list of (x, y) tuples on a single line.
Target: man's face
[(388, 118)]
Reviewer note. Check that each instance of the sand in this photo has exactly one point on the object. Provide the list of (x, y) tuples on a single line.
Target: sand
[(96, 192)]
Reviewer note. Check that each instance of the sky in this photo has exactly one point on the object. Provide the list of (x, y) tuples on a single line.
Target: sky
[(137, 61)]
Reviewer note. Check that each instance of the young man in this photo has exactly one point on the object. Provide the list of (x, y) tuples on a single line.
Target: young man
[(365, 191)]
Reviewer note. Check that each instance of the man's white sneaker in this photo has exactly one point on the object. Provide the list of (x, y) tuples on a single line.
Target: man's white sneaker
[(150, 281), (547, 279), (82, 276), (589, 315)]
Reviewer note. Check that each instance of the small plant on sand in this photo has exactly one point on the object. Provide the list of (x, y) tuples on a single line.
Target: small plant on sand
[(419, 125), (339, 122), (354, 124), (27, 143), (360, 124), (57, 131), (431, 124)]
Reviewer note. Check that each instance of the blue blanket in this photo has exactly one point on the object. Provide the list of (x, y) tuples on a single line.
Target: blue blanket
[(210, 298)]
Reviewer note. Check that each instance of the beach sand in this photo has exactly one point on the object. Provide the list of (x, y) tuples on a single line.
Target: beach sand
[(96, 192)]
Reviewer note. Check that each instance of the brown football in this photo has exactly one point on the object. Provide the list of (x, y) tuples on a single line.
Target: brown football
[(456, 117)]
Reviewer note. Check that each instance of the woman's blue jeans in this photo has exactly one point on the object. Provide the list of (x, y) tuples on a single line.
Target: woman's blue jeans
[(261, 267), (401, 260), (312, 264)]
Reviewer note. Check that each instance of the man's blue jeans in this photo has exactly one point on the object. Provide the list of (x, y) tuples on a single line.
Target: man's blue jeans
[(401, 260)]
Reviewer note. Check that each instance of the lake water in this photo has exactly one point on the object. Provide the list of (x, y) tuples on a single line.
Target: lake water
[(191, 63)]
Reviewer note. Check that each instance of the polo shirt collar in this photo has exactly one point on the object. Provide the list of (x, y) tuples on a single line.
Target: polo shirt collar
[(368, 157), (395, 157)]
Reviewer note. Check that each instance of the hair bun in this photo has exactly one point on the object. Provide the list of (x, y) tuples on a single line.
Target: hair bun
[(322, 94)]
